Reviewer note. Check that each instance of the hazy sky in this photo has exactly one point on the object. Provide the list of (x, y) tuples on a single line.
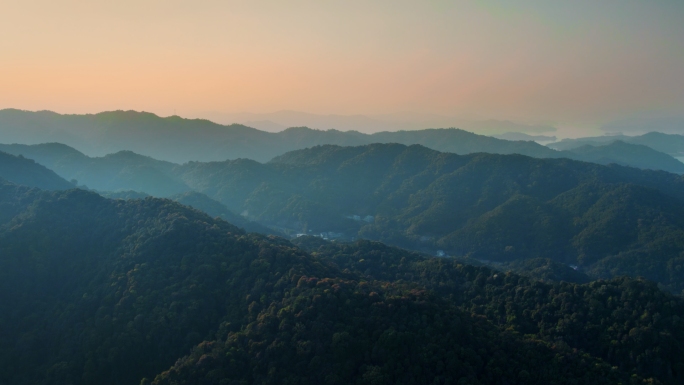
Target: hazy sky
[(570, 62)]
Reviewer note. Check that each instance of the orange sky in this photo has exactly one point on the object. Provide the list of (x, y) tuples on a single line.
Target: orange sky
[(577, 63)]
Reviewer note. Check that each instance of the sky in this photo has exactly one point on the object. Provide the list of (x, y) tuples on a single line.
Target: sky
[(566, 63)]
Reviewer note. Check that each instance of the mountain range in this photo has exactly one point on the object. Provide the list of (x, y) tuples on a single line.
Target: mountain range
[(181, 140), (608, 220), (671, 144), (116, 137), (370, 124), (102, 291), (119, 287)]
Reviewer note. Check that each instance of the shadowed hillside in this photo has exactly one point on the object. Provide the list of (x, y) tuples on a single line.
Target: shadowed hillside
[(120, 171), (24, 171), (99, 291)]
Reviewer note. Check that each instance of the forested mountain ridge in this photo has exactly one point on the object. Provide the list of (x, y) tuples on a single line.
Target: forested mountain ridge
[(111, 291), (115, 172), (123, 170), (626, 154), (115, 289), (608, 220), (598, 322), (215, 209), (25, 171), (491, 207)]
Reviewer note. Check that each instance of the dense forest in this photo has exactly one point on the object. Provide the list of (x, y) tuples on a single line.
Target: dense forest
[(102, 291)]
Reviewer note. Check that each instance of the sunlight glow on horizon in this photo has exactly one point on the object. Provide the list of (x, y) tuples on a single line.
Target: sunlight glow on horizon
[(573, 63)]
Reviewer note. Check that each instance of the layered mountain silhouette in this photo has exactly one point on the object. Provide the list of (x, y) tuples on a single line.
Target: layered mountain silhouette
[(179, 140), (120, 171), (626, 154), (609, 221), (671, 144)]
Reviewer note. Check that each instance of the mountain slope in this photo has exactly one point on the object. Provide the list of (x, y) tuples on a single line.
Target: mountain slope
[(671, 144), (27, 172), (115, 290), (587, 317), (98, 291), (626, 154), (216, 209), (120, 171)]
